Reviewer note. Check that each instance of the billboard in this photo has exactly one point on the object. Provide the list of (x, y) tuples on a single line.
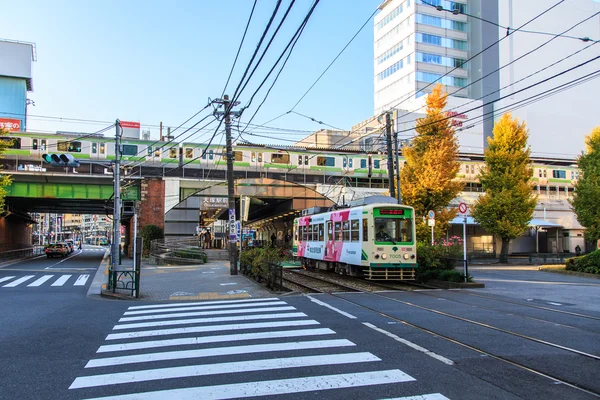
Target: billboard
[(130, 129), (12, 125)]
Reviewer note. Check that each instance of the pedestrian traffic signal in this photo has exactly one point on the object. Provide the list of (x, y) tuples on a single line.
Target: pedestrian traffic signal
[(61, 160)]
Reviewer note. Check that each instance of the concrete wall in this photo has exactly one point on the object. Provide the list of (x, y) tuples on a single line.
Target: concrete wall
[(14, 232)]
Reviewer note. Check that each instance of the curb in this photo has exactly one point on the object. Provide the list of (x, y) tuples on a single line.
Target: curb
[(555, 270), (99, 282), (456, 285)]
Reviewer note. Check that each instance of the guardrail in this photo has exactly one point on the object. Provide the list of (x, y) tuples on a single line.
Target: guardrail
[(177, 251), (271, 274), (17, 254)]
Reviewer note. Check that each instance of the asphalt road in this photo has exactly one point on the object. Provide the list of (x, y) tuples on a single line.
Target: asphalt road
[(56, 343)]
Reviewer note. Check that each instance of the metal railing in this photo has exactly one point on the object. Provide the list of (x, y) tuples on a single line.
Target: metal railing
[(270, 274), (16, 254), (177, 251)]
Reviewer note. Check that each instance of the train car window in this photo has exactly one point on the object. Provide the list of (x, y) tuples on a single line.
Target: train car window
[(363, 163), (350, 162), (346, 231), (325, 161), (204, 154), (376, 163), (34, 145), (280, 158), (544, 173), (260, 157), (149, 150), (238, 156), (72, 147), (211, 154), (305, 160), (330, 230), (540, 173), (466, 169), (559, 173), (129, 150), (304, 233), (189, 152), (295, 233), (253, 156), (472, 169), (43, 145), (321, 233), (94, 148), (173, 152), (102, 148), (338, 231), (344, 162), (354, 230), (365, 230), (577, 175), (157, 152), (299, 160), (15, 142), (572, 175)]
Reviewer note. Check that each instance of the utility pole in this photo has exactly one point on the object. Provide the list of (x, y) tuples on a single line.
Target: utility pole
[(117, 199), (388, 135), (226, 113), (397, 151)]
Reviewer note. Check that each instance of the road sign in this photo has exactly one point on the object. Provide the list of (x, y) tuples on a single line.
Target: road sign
[(431, 214), (431, 222), (462, 207)]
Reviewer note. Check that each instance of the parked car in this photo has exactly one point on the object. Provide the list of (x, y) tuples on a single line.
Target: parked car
[(57, 249), (71, 245)]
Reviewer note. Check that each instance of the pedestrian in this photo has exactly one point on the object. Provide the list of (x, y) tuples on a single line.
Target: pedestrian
[(577, 250), (286, 240), (273, 238), (208, 239)]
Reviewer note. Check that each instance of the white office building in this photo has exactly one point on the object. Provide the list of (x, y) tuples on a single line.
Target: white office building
[(417, 42)]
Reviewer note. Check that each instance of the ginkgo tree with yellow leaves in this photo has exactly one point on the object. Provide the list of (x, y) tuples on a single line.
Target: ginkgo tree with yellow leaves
[(4, 179), (587, 188), (508, 203), (428, 178)]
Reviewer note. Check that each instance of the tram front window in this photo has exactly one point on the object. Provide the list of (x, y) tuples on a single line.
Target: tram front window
[(393, 230)]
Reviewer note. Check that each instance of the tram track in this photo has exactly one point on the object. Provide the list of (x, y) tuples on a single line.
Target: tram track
[(513, 362)]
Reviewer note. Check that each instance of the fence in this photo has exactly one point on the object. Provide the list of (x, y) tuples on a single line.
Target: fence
[(16, 254), (271, 274), (182, 251)]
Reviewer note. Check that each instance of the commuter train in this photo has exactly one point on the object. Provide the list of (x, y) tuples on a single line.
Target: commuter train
[(374, 239), (552, 175)]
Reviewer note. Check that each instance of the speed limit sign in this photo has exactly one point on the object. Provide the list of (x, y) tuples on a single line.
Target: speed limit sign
[(462, 207)]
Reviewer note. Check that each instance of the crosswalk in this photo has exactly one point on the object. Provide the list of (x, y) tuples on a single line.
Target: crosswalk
[(51, 280), (223, 350)]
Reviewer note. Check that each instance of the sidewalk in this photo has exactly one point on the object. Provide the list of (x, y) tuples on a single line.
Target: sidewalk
[(210, 281)]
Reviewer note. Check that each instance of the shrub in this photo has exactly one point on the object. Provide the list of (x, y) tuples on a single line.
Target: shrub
[(148, 234), (438, 261), (589, 263)]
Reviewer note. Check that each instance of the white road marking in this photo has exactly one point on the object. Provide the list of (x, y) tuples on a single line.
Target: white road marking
[(61, 281), (200, 303), (149, 344), (199, 313), (38, 282), (411, 344), (19, 281), (210, 328), (230, 283), (554, 304), (6, 278), (207, 320), (81, 280), (220, 368), (432, 396), (273, 387), (210, 307), (319, 302), (218, 351)]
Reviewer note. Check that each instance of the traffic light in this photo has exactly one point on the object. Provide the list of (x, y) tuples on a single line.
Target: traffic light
[(61, 160)]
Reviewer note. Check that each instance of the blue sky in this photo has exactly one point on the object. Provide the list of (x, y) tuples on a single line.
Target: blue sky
[(153, 61)]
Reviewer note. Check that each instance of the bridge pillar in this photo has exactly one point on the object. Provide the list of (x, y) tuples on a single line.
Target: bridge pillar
[(14, 232), (152, 204)]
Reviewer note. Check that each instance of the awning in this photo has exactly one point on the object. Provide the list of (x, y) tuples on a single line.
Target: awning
[(540, 223)]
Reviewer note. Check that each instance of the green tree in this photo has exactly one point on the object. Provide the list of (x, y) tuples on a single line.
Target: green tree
[(4, 179), (508, 203), (428, 179), (148, 234), (587, 189)]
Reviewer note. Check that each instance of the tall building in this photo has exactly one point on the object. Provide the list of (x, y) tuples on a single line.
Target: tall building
[(418, 42), (15, 81)]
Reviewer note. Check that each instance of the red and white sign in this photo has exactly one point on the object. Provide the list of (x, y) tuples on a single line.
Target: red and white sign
[(130, 129), (12, 125), (128, 124), (462, 207)]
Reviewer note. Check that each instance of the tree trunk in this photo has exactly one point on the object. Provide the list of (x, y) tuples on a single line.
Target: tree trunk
[(504, 250)]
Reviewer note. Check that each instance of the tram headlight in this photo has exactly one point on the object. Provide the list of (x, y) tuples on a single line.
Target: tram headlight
[(406, 256), (384, 256)]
